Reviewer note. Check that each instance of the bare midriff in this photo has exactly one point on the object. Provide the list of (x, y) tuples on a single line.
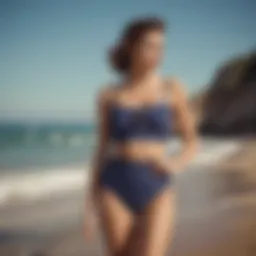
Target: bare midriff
[(137, 150)]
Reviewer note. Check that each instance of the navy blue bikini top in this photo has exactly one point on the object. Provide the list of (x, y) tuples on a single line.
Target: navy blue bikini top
[(151, 122)]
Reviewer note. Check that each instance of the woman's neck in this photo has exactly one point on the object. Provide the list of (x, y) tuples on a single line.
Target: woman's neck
[(139, 78)]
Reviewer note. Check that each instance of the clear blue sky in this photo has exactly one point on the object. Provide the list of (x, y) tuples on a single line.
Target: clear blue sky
[(52, 52)]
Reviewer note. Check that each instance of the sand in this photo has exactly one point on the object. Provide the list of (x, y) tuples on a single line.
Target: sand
[(217, 209)]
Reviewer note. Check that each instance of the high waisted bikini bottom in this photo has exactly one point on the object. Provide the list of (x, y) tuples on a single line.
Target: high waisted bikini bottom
[(135, 182)]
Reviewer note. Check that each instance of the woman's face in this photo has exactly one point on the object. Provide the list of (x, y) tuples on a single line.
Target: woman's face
[(149, 50)]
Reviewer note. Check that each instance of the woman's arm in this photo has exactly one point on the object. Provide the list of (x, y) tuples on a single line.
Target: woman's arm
[(185, 124), (101, 145), (90, 215)]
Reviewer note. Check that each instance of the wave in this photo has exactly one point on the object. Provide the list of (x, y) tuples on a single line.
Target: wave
[(37, 184), (18, 135)]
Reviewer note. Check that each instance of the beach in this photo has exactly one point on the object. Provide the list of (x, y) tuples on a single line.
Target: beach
[(216, 207), (77, 76)]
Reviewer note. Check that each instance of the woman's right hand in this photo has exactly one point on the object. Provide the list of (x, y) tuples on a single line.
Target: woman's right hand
[(90, 217), (88, 229)]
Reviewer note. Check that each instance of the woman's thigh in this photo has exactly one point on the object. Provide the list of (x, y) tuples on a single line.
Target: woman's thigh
[(155, 226), (116, 221)]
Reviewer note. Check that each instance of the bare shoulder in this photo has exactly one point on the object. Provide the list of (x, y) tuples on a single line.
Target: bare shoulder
[(106, 94), (176, 89)]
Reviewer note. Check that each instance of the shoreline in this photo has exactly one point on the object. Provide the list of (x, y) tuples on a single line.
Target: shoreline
[(35, 183), (32, 186)]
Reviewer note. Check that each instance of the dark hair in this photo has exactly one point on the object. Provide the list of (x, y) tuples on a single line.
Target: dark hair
[(120, 54)]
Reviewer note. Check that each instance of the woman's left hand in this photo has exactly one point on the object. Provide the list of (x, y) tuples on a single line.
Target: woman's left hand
[(166, 165)]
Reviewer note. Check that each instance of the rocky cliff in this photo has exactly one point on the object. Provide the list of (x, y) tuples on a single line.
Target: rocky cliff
[(229, 106)]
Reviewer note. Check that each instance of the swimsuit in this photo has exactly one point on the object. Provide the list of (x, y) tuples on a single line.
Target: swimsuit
[(136, 182)]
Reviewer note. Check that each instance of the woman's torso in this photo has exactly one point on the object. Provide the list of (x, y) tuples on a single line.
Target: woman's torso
[(139, 122)]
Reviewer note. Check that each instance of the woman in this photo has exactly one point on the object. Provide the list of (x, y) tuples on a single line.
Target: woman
[(133, 178)]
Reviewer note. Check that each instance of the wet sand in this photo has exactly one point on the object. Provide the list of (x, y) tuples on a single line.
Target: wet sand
[(216, 217)]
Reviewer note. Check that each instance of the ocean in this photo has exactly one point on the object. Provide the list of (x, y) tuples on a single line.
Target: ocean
[(40, 160), (25, 146)]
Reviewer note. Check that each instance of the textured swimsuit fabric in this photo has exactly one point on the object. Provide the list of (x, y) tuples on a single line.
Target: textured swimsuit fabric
[(151, 122), (135, 182)]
